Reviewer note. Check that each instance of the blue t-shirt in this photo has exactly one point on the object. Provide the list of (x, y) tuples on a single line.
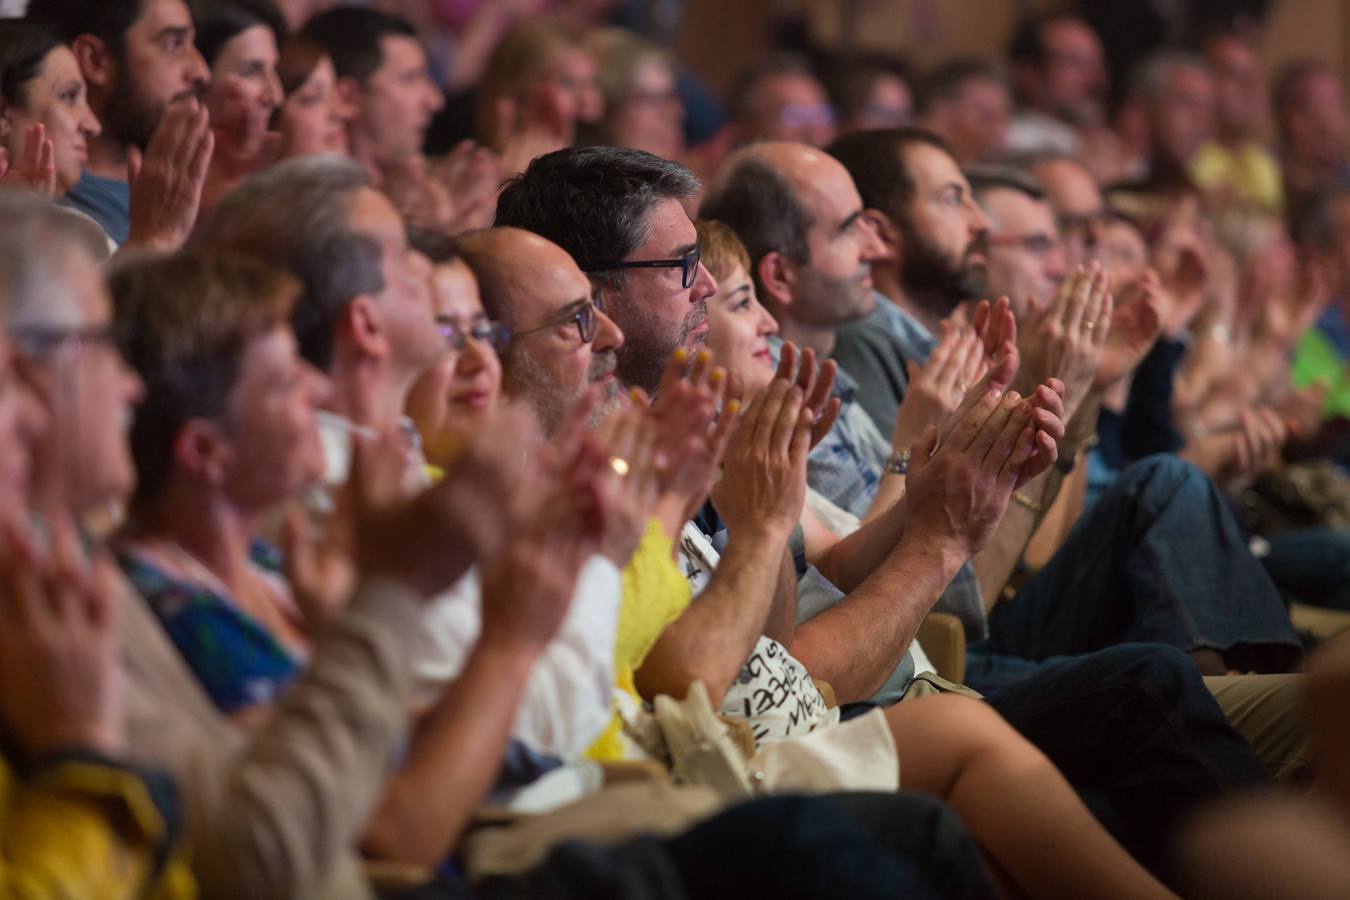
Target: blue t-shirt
[(105, 200)]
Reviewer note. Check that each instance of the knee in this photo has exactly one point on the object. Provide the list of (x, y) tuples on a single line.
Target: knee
[(1162, 476), (1164, 672)]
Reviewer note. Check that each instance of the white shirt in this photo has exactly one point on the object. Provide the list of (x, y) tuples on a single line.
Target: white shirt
[(566, 703)]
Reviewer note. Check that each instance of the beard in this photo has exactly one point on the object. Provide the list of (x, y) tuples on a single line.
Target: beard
[(933, 278), (647, 347), (526, 379), (836, 301), (128, 117)]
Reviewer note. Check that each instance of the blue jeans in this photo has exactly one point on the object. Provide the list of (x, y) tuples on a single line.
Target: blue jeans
[(1312, 565), (1158, 559), (1135, 731)]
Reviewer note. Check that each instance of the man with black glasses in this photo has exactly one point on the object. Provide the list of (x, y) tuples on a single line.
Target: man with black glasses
[(639, 248)]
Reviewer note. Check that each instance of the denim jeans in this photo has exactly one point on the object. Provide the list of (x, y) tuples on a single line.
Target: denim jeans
[(1136, 732), (1312, 565), (844, 845), (1158, 559)]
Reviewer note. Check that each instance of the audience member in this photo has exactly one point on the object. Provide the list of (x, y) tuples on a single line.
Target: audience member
[(1059, 80), (642, 109), (781, 99), (1311, 129), (872, 92), (313, 118), (1176, 94), (967, 103), (1234, 166)]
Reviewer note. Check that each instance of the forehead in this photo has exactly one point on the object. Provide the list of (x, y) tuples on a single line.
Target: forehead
[(1190, 79), (156, 15), (456, 289), (670, 230), (1069, 36), (931, 168), (371, 214), (1014, 211), (791, 87), (252, 41), (1071, 190), (399, 51), (1124, 235), (546, 280), (826, 189), (1229, 53)]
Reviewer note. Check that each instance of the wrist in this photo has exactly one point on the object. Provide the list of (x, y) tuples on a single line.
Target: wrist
[(922, 549)]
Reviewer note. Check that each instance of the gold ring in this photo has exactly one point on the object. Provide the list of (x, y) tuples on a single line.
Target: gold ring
[(619, 465), (961, 386), (1089, 325)]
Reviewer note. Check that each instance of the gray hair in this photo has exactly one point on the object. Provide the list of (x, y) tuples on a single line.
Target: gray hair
[(37, 240), (295, 215)]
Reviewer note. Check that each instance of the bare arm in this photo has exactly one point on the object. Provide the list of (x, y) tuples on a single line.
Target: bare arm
[(713, 638)]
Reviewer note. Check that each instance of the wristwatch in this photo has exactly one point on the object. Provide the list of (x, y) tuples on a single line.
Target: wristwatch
[(898, 462)]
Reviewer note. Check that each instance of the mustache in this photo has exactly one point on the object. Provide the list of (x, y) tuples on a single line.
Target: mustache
[(603, 363), (978, 244)]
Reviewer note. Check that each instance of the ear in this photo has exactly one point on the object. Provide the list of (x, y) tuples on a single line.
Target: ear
[(887, 231), (96, 62), (202, 452), (362, 327), (778, 279)]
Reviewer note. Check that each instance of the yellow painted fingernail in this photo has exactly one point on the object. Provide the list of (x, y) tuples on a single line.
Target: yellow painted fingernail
[(681, 355), (636, 395), (703, 357), (716, 377), (734, 407)]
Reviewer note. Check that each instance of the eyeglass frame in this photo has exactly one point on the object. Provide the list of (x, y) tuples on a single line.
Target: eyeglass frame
[(688, 264), (1037, 242), (499, 338), (37, 339), (582, 313)]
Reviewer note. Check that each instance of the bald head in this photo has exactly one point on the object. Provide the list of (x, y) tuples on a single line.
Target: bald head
[(796, 210), (561, 344)]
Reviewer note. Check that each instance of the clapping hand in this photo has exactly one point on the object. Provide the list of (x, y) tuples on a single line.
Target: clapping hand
[(167, 182), (1064, 339), (60, 687), (35, 169)]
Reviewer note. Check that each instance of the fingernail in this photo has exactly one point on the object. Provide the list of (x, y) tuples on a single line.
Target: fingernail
[(635, 395), (681, 355), (995, 393), (734, 406), (716, 377), (704, 356)]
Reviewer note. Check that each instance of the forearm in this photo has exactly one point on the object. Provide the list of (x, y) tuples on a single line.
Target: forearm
[(713, 638), (890, 491), (452, 761), (781, 622), (851, 559), (856, 644), (1029, 506)]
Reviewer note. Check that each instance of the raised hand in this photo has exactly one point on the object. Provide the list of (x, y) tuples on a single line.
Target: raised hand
[(35, 169), (1064, 339), (527, 591), (638, 466), (763, 485), (958, 489), (937, 387), (429, 541), (59, 682), (687, 400), (1135, 327), (471, 175), (167, 183)]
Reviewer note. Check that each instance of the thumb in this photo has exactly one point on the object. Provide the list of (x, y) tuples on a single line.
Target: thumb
[(912, 370), (924, 449), (134, 160)]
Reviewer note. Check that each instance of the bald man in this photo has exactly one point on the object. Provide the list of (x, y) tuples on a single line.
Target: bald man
[(561, 340), (812, 258)]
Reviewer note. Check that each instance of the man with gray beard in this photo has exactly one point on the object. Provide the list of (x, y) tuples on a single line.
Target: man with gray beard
[(562, 342)]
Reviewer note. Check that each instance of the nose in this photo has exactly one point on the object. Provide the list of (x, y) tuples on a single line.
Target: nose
[(273, 96), (1056, 264), (705, 285), (768, 325), (91, 126), (608, 335), (977, 221), (33, 419), (435, 100), (472, 358), (131, 382), (198, 73)]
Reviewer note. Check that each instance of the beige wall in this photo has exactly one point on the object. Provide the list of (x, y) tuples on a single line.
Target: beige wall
[(721, 35)]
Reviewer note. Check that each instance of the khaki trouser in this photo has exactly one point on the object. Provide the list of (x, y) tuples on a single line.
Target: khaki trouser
[(1267, 711)]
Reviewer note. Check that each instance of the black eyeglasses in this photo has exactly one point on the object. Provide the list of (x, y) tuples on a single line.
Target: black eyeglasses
[(583, 313), (687, 264), (484, 330)]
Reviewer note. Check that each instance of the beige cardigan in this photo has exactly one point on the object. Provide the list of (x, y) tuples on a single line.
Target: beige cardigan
[(277, 812)]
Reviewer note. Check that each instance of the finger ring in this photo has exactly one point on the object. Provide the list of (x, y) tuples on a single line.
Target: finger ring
[(1089, 325), (961, 386), (619, 465)]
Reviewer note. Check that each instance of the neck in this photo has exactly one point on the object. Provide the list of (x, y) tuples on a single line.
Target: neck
[(363, 151), (819, 339), (107, 157), (909, 301), (368, 394), (205, 526)]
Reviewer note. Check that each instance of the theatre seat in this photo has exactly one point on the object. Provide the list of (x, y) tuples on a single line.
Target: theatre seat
[(943, 638)]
